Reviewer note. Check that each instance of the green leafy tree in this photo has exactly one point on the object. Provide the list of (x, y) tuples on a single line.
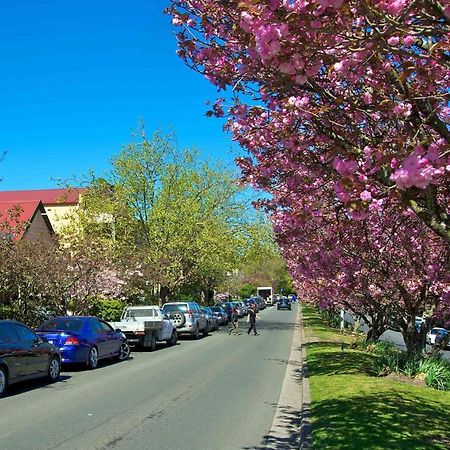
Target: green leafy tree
[(176, 217)]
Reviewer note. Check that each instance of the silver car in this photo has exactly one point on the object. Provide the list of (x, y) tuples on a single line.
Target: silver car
[(188, 318)]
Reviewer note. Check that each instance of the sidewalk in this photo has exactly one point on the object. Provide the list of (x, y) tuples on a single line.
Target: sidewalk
[(291, 427)]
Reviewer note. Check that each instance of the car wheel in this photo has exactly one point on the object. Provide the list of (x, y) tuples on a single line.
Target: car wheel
[(54, 368), (196, 333), (178, 319), (152, 347), (124, 352), (173, 339), (206, 330), (3, 381), (92, 361)]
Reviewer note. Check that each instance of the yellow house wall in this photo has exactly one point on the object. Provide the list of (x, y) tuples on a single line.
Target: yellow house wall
[(59, 215)]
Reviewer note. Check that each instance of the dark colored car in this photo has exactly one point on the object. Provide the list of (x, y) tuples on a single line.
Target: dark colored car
[(24, 355), (220, 314), (228, 308), (259, 302), (250, 303), (84, 340), (284, 303)]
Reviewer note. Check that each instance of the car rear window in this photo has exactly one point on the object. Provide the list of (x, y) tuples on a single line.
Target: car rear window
[(144, 312), (175, 307), (62, 325), (216, 309)]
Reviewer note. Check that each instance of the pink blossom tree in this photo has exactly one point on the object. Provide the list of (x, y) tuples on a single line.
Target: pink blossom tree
[(343, 108), (357, 88)]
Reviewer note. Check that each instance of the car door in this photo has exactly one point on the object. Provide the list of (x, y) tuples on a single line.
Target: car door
[(37, 353), (167, 326), (202, 317), (114, 339), (12, 352), (101, 338)]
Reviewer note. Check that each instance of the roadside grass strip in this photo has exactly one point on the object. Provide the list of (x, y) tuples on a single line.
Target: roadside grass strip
[(352, 408)]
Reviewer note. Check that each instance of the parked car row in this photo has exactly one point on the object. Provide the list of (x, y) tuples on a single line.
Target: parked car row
[(26, 354)]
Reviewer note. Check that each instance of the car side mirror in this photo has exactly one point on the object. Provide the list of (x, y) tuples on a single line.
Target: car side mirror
[(118, 330)]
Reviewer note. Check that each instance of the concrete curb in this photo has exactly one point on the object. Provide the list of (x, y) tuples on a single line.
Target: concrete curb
[(290, 426), (305, 415)]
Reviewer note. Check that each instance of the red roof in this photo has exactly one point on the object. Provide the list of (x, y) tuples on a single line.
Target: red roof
[(46, 196), (13, 216)]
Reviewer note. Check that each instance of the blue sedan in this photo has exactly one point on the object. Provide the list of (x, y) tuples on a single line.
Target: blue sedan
[(84, 339)]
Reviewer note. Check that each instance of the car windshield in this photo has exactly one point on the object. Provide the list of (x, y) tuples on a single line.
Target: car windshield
[(168, 308), (62, 324)]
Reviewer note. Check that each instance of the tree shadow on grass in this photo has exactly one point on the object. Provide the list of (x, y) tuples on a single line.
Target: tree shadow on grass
[(334, 360), (389, 420)]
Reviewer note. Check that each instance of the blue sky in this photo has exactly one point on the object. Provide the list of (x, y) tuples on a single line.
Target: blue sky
[(77, 75)]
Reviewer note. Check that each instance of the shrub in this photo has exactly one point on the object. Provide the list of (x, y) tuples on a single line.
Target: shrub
[(434, 370), (331, 317), (110, 310)]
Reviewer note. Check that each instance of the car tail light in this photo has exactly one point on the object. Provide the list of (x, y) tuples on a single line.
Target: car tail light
[(71, 340), (189, 312)]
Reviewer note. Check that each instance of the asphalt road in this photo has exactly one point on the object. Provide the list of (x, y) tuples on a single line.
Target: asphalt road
[(396, 338), (219, 392)]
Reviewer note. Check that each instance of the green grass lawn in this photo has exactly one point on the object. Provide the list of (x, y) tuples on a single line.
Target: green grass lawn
[(353, 409)]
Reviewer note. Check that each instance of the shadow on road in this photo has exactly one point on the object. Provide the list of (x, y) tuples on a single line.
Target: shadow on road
[(269, 325), (31, 385)]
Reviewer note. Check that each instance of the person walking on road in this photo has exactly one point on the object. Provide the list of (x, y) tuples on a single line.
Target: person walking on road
[(252, 316), (234, 322)]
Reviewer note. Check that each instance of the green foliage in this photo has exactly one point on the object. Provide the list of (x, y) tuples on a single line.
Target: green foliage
[(331, 317), (247, 290), (178, 218), (110, 310), (434, 370)]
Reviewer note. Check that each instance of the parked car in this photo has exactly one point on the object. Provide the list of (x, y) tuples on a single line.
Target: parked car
[(239, 309), (24, 355), (260, 302), (436, 335), (187, 317), (250, 302), (227, 307), (146, 325), (284, 303), (211, 318), (84, 339), (244, 307), (220, 314)]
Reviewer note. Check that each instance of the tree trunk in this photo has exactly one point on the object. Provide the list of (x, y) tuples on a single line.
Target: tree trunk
[(164, 293), (375, 332), (414, 340), (376, 328)]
